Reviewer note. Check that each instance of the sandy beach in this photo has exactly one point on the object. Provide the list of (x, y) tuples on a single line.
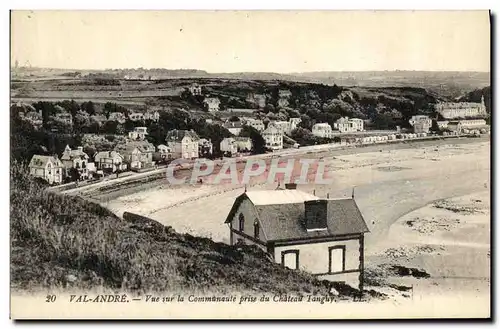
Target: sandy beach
[(427, 208)]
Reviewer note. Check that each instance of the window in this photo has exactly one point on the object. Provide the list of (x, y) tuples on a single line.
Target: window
[(242, 222), (256, 229), (290, 259), (336, 262)]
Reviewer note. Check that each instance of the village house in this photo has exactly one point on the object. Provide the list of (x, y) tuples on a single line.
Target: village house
[(450, 110), (243, 144), (205, 148), (284, 93), (212, 104), (76, 159), (442, 124), (257, 99), (347, 125), (183, 143), (34, 118), (65, 117), (163, 153), (99, 118), (459, 125), (136, 116), (323, 130), (294, 123), (137, 154), (301, 231), (420, 123), (282, 126), (139, 133), (118, 117), (195, 89), (255, 123), (273, 138), (283, 102), (240, 111), (152, 115), (234, 127), (109, 161), (46, 167)]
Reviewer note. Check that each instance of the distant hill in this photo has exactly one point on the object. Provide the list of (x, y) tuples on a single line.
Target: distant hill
[(475, 97), (450, 84)]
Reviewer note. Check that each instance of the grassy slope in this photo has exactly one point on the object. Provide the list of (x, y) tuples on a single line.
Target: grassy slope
[(65, 242)]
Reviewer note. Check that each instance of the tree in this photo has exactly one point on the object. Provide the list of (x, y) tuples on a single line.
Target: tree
[(259, 144), (88, 107)]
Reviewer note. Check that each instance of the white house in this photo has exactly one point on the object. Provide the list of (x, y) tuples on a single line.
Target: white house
[(46, 167), (420, 123), (273, 138), (75, 159), (183, 143), (228, 146), (346, 125), (139, 133), (323, 130), (282, 126), (243, 144), (109, 161), (195, 89), (234, 127), (255, 123), (301, 231)]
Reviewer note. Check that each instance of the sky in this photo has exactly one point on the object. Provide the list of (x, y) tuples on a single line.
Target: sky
[(253, 41)]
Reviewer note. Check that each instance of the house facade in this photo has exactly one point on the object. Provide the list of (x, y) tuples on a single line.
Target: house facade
[(255, 123), (228, 146), (420, 123), (323, 130), (137, 154), (257, 99), (136, 116), (109, 161), (205, 148), (300, 231), (183, 143), (347, 125), (118, 117), (152, 115), (282, 126), (243, 144), (195, 89), (212, 104), (273, 138), (49, 168), (139, 133), (76, 159), (234, 127), (164, 152)]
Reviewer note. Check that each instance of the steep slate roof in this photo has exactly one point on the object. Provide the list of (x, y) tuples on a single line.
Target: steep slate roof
[(40, 161), (70, 154), (177, 135), (142, 146), (282, 218)]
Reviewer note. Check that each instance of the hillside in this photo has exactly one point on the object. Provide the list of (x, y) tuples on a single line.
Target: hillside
[(66, 242), (450, 84)]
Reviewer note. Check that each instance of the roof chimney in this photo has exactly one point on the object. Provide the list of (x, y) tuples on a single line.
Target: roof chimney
[(316, 212), (291, 186)]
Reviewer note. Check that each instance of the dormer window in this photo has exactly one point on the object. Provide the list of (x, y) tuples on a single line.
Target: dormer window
[(242, 222)]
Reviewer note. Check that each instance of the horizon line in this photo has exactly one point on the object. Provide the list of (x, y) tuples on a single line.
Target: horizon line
[(236, 72)]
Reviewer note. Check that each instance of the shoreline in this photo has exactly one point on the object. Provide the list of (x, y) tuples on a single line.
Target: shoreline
[(117, 190)]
